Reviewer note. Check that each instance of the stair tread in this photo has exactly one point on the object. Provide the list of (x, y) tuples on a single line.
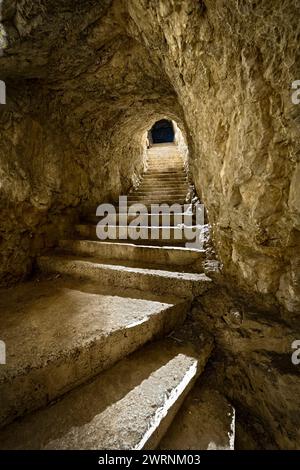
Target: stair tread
[(52, 324), (166, 256), (114, 273), (141, 247), (129, 406), (117, 265)]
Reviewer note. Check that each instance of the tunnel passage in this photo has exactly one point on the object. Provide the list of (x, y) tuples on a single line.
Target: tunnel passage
[(162, 132)]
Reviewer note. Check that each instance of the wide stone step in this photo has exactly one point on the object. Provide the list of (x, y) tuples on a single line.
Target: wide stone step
[(158, 198), (151, 207), (166, 166), (162, 190), (165, 174), (128, 407), (158, 193), (156, 179), (59, 333), (181, 284), (162, 158), (164, 233), (145, 235), (159, 219), (166, 163), (169, 168), (146, 200), (161, 186), (206, 421), (167, 256)]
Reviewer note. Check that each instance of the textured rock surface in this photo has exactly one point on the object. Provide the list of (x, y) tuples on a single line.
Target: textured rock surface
[(84, 83), (254, 369), (80, 96), (85, 80)]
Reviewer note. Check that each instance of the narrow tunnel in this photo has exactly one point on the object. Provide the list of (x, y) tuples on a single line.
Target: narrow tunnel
[(161, 132), (149, 224)]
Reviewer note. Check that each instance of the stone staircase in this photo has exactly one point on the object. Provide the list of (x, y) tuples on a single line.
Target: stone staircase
[(100, 353)]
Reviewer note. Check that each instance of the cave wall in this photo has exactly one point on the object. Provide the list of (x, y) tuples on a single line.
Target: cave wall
[(57, 164), (71, 131), (232, 64)]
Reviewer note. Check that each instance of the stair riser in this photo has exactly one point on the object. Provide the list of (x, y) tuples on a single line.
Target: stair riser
[(157, 194), (37, 387), (163, 187), (93, 219), (157, 197), (170, 174), (162, 256), (174, 234), (147, 201), (153, 179), (163, 168), (115, 276)]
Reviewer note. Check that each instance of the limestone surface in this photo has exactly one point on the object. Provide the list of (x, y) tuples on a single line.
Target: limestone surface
[(86, 80)]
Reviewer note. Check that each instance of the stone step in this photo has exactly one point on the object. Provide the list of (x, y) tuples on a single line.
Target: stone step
[(128, 407), (154, 207), (167, 256), (59, 333), (156, 193), (162, 190), (166, 161), (206, 421), (147, 243), (165, 167), (163, 186), (181, 284), (146, 200), (158, 197), (159, 218), (124, 232), (162, 158), (161, 173), (156, 179)]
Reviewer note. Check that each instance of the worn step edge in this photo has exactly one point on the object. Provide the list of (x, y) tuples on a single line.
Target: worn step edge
[(126, 251), (99, 415), (95, 219), (165, 233), (27, 388), (160, 282)]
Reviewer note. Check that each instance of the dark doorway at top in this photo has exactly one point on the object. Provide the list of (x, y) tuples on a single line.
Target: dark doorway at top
[(162, 131)]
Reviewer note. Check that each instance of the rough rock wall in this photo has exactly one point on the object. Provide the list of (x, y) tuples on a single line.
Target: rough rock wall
[(80, 96), (232, 64), (252, 366)]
